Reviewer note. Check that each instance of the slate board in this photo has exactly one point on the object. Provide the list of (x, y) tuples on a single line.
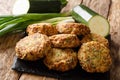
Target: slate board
[(38, 68)]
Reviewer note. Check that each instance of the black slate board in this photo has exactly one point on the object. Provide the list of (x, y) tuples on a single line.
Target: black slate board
[(38, 68)]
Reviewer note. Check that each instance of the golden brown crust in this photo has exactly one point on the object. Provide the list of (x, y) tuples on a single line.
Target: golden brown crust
[(33, 47), (61, 59), (86, 38), (65, 41), (43, 28), (95, 37), (73, 28), (99, 38), (94, 57)]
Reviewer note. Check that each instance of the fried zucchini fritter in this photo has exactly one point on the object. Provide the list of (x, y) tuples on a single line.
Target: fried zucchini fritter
[(33, 47), (94, 57), (95, 37), (43, 28), (61, 59), (73, 28), (65, 41)]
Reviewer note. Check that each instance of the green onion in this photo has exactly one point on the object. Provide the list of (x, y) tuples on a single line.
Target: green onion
[(21, 22)]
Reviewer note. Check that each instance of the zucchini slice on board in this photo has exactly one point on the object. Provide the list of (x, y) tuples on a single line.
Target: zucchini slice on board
[(38, 6), (97, 23)]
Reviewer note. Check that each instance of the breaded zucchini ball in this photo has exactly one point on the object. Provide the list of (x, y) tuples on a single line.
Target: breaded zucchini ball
[(73, 28), (65, 41), (33, 47), (43, 28), (61, 59), (94, 57)]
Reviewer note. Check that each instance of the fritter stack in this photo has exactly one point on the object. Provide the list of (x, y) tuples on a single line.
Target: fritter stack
[(58, 46)]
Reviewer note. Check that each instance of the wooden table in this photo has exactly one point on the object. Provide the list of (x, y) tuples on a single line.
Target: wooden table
[(110, 9)]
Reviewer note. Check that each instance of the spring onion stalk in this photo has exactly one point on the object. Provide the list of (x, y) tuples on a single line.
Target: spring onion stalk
[(22, 22)]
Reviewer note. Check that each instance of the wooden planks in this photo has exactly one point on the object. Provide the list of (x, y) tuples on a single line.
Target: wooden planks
[(114, 19), (7, 53), (34, 77), (70, 5), (6, 6), (7, 43), (101, 7)]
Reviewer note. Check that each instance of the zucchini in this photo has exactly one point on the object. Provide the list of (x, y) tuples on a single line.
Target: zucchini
[(97, 23), (38, 6)]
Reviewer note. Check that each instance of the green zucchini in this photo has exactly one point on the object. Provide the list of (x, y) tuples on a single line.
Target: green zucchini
[(38, 6), (97, 23)]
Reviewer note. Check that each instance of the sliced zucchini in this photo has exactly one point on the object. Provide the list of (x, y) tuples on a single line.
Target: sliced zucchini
[(20, 7), (97, 23), (38, 6)]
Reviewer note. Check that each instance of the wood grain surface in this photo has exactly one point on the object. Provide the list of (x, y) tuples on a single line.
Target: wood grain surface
[(110, 9), (114, 19)]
